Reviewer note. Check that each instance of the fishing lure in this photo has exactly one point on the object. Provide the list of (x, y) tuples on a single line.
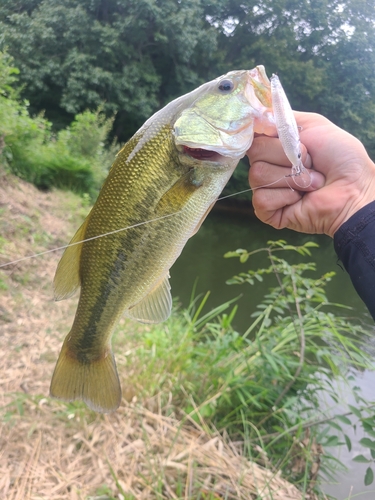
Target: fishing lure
[(288, 133)]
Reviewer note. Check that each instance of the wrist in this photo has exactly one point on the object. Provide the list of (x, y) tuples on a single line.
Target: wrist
[(351, 206), (357, 191), (358, 221)]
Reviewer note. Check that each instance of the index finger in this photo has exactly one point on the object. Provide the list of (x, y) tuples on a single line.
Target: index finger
[(269, 150)]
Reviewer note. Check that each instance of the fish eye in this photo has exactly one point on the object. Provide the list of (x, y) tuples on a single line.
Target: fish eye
[(226, 86)]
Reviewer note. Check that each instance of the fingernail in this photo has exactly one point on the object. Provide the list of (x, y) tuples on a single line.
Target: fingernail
[(317, 180)]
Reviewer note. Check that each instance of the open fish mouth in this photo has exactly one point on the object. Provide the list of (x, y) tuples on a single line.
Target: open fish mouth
[(202, 154)]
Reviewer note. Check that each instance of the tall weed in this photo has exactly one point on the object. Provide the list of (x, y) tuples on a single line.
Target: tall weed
[(265, 386)]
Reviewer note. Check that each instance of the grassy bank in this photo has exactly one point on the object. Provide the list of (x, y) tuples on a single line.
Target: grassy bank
[(207, 413), (148, 448)]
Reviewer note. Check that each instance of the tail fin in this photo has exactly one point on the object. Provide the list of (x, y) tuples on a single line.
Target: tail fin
[(95, 383)]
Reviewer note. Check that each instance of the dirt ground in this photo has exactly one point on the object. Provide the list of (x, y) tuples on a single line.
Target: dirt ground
[(51, 450)]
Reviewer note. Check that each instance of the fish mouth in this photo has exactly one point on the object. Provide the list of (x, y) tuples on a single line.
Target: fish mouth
[(202, 154)]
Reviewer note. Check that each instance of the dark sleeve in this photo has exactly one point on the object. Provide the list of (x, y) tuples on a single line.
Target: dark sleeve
[(355, 246)]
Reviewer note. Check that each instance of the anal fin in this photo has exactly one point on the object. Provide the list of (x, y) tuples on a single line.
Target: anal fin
[(156, 306), (67, 278)]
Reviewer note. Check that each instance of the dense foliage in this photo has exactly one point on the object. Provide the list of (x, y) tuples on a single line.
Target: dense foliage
[(74, 158), (135, 55)]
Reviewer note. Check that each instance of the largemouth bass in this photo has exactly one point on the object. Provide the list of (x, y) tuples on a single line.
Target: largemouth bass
[(170, 173)]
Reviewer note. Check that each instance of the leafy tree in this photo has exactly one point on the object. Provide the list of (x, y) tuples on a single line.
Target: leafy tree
[(351, 77), (131, 55), (322, 50)]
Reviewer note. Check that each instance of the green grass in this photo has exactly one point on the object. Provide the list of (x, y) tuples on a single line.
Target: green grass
[(263, 387)]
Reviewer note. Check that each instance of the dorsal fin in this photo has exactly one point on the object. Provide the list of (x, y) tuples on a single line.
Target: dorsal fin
[(156, 306), (67, 279)]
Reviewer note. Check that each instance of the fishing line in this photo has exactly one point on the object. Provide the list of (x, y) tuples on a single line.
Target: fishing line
[(141, 223), (88, 239)]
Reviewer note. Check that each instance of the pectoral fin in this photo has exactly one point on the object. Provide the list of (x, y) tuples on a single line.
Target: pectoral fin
[(155, 307), (67, 278), (179, 194)]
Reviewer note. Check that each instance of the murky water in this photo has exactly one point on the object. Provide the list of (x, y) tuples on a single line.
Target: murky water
[(202, 260)]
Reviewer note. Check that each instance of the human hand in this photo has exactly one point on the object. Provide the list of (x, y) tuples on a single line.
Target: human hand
[(342, 178)]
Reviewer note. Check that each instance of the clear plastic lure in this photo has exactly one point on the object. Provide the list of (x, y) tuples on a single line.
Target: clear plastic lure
[(288, 132)]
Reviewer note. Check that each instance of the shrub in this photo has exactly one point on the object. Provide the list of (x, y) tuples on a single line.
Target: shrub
[(74, 158)]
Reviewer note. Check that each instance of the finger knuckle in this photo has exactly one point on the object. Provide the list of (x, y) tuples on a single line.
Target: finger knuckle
[(260, 203), (256, 174), (257, 149)]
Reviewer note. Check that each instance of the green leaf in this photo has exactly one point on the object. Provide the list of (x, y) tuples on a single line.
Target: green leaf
[(335, 426), (244, 257), (311, 244), (369, 421), (271, 361), (355, 411), (228, 255), (369, 476), (368, 443), (332, 441), (232, 281), (361, 459), (344, 419), (349, 443), (369, 430)]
